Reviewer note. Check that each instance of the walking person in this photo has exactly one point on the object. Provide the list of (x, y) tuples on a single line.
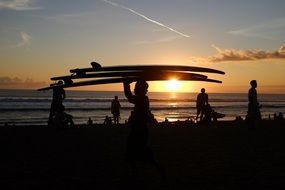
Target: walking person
[(201, 102), (115, 109), (137, 144)]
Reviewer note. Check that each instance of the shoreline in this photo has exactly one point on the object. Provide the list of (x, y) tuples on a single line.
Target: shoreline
[(162, 124)]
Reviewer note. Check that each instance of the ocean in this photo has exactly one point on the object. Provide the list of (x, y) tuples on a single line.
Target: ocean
[(31, 107)]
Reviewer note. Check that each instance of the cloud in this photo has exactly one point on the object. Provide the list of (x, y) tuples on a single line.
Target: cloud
[(241, 55), (282, 49), (18, 5), (266, 30), (146, 18), (8, 82), (26, 40)]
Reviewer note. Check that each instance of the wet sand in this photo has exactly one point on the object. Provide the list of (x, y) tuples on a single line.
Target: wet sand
[(224, 155)]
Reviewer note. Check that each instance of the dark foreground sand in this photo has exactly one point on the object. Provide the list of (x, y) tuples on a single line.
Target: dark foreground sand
[(224, 155)]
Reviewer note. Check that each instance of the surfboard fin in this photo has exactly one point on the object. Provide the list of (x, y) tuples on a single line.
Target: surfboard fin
[(95, 65)]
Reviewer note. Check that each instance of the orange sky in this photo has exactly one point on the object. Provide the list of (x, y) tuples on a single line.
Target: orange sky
[(41, 39)]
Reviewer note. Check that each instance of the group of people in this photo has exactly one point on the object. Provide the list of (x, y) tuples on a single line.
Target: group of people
[(137, 143), (59, 118), (205, 113)]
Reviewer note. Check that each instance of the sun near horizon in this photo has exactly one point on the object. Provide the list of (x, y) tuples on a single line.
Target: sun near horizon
[(42, 39), (173, 85)]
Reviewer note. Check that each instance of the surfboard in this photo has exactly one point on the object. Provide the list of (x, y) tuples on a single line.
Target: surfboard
[(97, 67), (118, 74), (107, 74), (184, 77)]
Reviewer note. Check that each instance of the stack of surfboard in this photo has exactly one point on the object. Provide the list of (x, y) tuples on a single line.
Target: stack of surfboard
[(118, 74)]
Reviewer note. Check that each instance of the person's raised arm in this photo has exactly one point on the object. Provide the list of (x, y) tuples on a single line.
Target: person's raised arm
[(127, 91)]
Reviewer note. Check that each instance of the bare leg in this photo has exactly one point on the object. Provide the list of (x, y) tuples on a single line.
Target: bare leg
[(198, 113)]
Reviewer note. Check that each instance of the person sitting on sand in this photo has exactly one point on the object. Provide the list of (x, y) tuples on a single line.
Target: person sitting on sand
[(115, 109), (208, 114), (108, 120), (62, 119), (280, 116), (201, 102), (253, 113), (57, 98), (137, 143)]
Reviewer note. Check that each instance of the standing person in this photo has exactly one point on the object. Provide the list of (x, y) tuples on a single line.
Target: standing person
[(137, 144), (57, 98), (253, 113), (89, 122), (201, 102), (115, 109)]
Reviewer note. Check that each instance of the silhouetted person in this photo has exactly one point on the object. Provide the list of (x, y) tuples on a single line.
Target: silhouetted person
[(115, 109), (108, 120), (208, 113), (137, 144), (201, 102), (253, 113), (62, 119), (274, 116), (57, 98), (89, 122), (280, 116), (238, 118)]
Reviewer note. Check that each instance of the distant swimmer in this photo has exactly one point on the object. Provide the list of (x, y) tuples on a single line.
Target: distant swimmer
[(253, 113), (201, 102), (115, 109)]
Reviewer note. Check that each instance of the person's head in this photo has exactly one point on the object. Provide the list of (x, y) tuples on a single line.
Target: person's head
[(116, 97), (203, 90), (253, 83), (141, 87)]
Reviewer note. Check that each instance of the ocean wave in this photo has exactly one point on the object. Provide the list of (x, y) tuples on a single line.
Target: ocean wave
[(157, 108), (108, 100)]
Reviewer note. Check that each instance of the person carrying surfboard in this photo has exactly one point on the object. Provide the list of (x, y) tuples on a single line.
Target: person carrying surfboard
[(201, 102), (137, 143)]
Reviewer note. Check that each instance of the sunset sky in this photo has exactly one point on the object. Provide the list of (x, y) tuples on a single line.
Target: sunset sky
[(40, 39)]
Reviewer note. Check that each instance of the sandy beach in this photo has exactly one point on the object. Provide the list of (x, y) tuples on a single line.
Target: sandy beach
[(223, 155)]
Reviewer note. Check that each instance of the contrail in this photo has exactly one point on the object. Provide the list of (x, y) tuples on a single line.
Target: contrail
[(146, 18)]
